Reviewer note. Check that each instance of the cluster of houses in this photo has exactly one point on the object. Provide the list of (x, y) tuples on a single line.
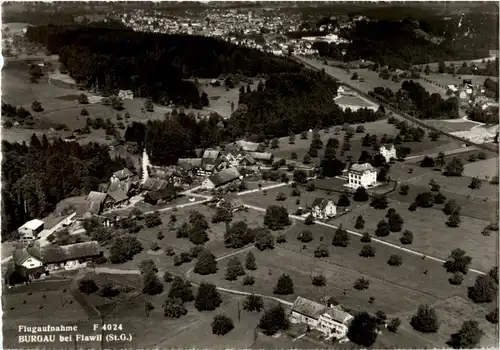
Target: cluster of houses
[(34, 261), (332, 321), (469, 94)]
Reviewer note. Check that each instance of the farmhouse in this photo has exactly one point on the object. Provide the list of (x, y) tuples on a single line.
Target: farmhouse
[(247, 160), (68, 257), (116, 198), (121, 175), (331, 321), (221, 178), (86, 210), (26, 265), (232, 202), (388, 152), (323, 208), (160, 196), (30, 229), (189, 164), (364, 175), (263, 157), (154, 185)]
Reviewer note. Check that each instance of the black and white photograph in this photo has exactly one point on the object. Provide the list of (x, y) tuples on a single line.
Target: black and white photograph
[(249, 174)]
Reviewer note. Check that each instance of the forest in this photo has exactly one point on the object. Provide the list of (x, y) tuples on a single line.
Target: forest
[(150, 64), (413, 99), (402, 43), (287, 102), (36, 176)]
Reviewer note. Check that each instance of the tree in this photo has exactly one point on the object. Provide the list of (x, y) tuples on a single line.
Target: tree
[(204, 100), (425, 199), (343, 201), (484, 289), (425, 320), (434, 135), (250, 262), (454, 219), (197, 218), (264, 239), (234, 269), (481, 155), (360, 223), (83, 99), (36, 106), (206, 263), (395, 260), (151, 285), (248, 280), (280, 197), (383, 229), (393, 325), (253, 303), (475, 183), (341, 238), (456, 279), (274, 320), (300, 176), (276, 217), (238, 235), (493, 273), (208, 298), (291, 138), (153, 219), (360, 129), (148, 105), (406, 237), (361, 195), (492, 316), (441, 67), (379, 202), (321, 251), (181, 289), (305, 236), (439, 198), (450, 207), (306, 159), (124, 248), (403, 190), (427, 69), (174, 308), (197, 234), (381, 318), (303, 135), (309, 220), (284, 285), (395, 222), (468, 337), (275, 143), (455, 167), (147, 265), (87, 286), (363, 329), (427, 162), (366, 238), (367, 251), (458, 261), (319, 281), (222, 214), (221, 325), (354, 76), (168, 277), (293, 155), (361, 284)]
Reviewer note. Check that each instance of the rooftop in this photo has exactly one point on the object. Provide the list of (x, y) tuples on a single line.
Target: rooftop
[(33, 224), (362, 167)]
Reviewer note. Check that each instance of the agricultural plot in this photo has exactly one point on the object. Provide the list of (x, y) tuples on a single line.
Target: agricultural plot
[(483, 169), (452, 125), (431, 235)]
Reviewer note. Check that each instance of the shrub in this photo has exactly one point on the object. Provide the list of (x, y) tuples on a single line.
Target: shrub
[(395, 260), (366, 238), (168, 277), (284, 285), (456, 279), (406, 237), (367, 251), (309, 220), (305, 236), (319, 280), (393, 325), (361, 284), (222, 325), (493, 316), (248, 280), (321, 251), (425, 320)]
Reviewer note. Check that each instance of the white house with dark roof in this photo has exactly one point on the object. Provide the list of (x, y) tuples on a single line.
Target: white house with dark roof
[(333, 321), (362, 175), (388, 152), (323, 208)]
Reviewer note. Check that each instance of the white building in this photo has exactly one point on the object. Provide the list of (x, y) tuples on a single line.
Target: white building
[(331, 321), (126, 94), (388, 152), (364, 175), (30, 230), (323, 208)]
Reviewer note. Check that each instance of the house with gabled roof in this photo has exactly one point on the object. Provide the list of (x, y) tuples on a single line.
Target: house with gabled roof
[(332, 321), (323, 208), (223, 177), (121, 175), (27, 266), (160, 196), (189, 164), (30, 229), (248, 146), (263, 157), (154, 185), (232, 202), (116, 198), (68, 257), (247, 160)]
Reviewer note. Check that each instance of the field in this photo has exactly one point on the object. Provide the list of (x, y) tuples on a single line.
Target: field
[(483, 169), (379, 128), (452, 125), (449, 79), (452, 313), (61, 106)]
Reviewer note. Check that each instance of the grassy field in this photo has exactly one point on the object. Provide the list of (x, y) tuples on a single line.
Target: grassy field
[(483, 169), (431, 235), (219, 98), (449, 79), (452, 313), (452, 125)]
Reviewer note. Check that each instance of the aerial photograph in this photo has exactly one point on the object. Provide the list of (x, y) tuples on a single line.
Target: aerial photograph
[(250, 175)]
